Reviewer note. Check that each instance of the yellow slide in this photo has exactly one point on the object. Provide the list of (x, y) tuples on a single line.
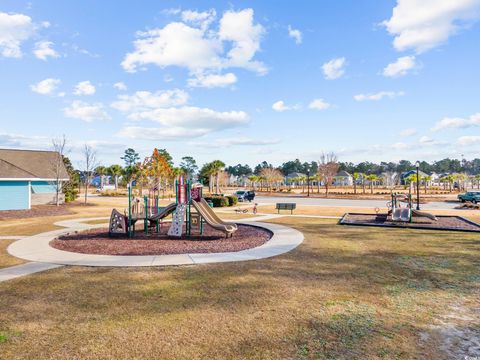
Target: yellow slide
[(423, 214), (205, 205), (206, 213)]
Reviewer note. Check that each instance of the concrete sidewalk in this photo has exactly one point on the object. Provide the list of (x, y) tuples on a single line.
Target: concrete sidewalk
[(25, 269), (36, 248)]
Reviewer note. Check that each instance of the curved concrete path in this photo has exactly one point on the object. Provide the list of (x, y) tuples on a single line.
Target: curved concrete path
[(36, 248)]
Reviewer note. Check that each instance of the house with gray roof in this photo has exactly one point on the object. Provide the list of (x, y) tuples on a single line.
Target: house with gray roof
[(30, 177), (343, 178)]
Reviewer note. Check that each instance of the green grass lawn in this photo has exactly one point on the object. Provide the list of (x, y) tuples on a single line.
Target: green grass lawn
[(345, 293)]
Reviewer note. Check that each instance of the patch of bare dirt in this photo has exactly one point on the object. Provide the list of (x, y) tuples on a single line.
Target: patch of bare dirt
[(457, 333), (443, 222), (38, 211)]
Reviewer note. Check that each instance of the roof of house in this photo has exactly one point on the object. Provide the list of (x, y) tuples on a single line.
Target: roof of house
[(413, 172), (295, 175), (343, 173), (30, 164)]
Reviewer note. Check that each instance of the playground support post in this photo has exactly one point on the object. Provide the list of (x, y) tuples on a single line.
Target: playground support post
[(156, 212), (145, 221), (129, 225)]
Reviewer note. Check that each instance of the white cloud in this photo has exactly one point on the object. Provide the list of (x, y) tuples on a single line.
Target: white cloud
[(281, 106), (84, 88), (400, 67), (149, 133), (183, 123), (319, 104), (120, 86), (238, 28), (240, 141), (23, 141), (334, 69), (14, 30), (146, 100), (399, 146), (212, 80), (43, 50), (202, 19), (462, 123), (176, 120), (424, 24), (468, 140), (378, 96), (85, 111), (83, 51), (194, 117), (295, 34), (408, 132), (46, 87), (426, 140), (200, 48), (177, 44)]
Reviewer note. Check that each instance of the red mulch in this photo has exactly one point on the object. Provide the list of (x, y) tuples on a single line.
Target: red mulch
[(443, 222), (37, 211), (97, 241)]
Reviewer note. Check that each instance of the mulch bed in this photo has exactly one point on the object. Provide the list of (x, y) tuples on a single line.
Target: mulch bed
[(37, 211), (97, 241), (456, 223)]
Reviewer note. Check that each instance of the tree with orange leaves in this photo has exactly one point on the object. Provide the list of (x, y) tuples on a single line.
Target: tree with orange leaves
[(156, 170)]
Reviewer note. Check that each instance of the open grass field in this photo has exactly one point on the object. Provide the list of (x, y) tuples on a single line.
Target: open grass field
[(345, 293)]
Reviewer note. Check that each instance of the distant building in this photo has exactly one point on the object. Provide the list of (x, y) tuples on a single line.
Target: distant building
[(405, 175), (294, 178), (343, 178), (27, 178), (435, 179), (237, 180)]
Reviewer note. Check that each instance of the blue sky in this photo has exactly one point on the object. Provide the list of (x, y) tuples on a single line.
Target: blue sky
[(243, 81)]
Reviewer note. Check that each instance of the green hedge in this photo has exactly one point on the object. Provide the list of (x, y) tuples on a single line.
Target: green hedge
[(222, 201), (232, 200)]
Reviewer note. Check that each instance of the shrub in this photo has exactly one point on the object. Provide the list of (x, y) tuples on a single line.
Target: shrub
[(218, 201), (113, 193), (232, 200)]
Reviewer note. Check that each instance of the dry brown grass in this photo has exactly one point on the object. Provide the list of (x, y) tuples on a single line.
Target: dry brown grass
[(99, 207), (6, 259), (314, 210), (346, 292)]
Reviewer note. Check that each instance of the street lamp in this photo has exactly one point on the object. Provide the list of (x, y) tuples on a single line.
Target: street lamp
[(308, 182), (417, 165)]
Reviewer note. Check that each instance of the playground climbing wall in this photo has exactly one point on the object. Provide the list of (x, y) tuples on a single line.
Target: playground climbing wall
[(177, 221)]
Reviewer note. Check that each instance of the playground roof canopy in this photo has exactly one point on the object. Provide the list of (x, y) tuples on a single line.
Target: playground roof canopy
[(30, 164)]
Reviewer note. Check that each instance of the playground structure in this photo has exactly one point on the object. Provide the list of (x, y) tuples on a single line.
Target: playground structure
[(406, 213), (189, 213)]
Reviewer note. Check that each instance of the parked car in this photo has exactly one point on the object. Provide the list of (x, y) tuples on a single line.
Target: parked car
[(244, 195), (473, 196)]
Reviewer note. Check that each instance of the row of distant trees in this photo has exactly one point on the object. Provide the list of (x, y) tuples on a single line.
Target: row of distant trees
[(158, 171), (450, 166)]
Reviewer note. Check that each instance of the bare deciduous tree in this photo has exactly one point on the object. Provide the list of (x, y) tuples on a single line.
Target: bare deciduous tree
[(327, 169), (90, 163), (57, 165), (271, 176)]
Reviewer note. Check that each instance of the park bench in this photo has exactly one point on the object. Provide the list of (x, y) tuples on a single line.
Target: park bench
[(286, 206)]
